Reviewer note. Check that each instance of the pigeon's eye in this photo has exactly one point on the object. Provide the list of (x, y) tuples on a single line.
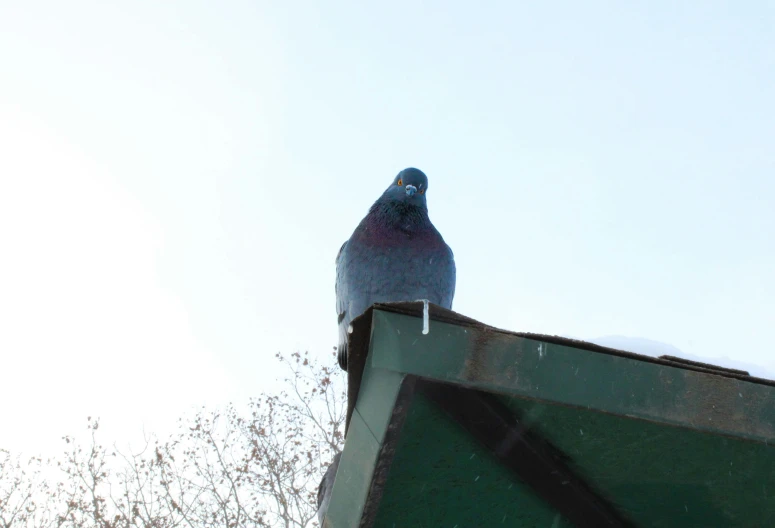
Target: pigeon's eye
[(422, 191), (400, 181)]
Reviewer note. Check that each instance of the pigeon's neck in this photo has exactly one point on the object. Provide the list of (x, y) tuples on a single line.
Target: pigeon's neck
[(393, 217)]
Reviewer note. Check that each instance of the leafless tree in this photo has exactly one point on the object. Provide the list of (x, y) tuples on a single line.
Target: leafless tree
[(257, 465)]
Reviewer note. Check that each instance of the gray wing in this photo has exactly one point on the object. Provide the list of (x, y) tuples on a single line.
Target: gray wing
[(435, 272), (354, 291), (448, 280)]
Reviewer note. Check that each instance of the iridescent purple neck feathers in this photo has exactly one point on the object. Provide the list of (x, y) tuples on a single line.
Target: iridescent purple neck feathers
[(390, 218)]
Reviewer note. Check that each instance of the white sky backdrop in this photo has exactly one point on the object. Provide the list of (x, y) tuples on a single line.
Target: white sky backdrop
[(177, 177)]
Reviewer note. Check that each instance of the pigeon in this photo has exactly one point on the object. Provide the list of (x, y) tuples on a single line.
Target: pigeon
[(395, 254), (326, 487)]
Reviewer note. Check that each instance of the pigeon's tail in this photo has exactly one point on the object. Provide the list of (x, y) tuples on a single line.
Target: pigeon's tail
[(341, 355), (326, 487), (344, 337)]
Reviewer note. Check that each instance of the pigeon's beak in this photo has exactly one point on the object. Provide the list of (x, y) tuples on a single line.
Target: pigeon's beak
[(410, 190)]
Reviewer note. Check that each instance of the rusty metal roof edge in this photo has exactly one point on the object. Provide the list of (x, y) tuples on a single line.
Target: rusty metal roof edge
[(438, 313)]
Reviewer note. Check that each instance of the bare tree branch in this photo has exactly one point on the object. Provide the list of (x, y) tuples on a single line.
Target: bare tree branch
[(255, 467)]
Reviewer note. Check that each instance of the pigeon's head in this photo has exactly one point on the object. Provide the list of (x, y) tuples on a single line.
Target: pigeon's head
[(409, 187)]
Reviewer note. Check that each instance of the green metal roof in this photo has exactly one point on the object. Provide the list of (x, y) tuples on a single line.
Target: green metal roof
[(474, 426)]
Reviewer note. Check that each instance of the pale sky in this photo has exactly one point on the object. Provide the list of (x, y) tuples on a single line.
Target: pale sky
[(177, 177)]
